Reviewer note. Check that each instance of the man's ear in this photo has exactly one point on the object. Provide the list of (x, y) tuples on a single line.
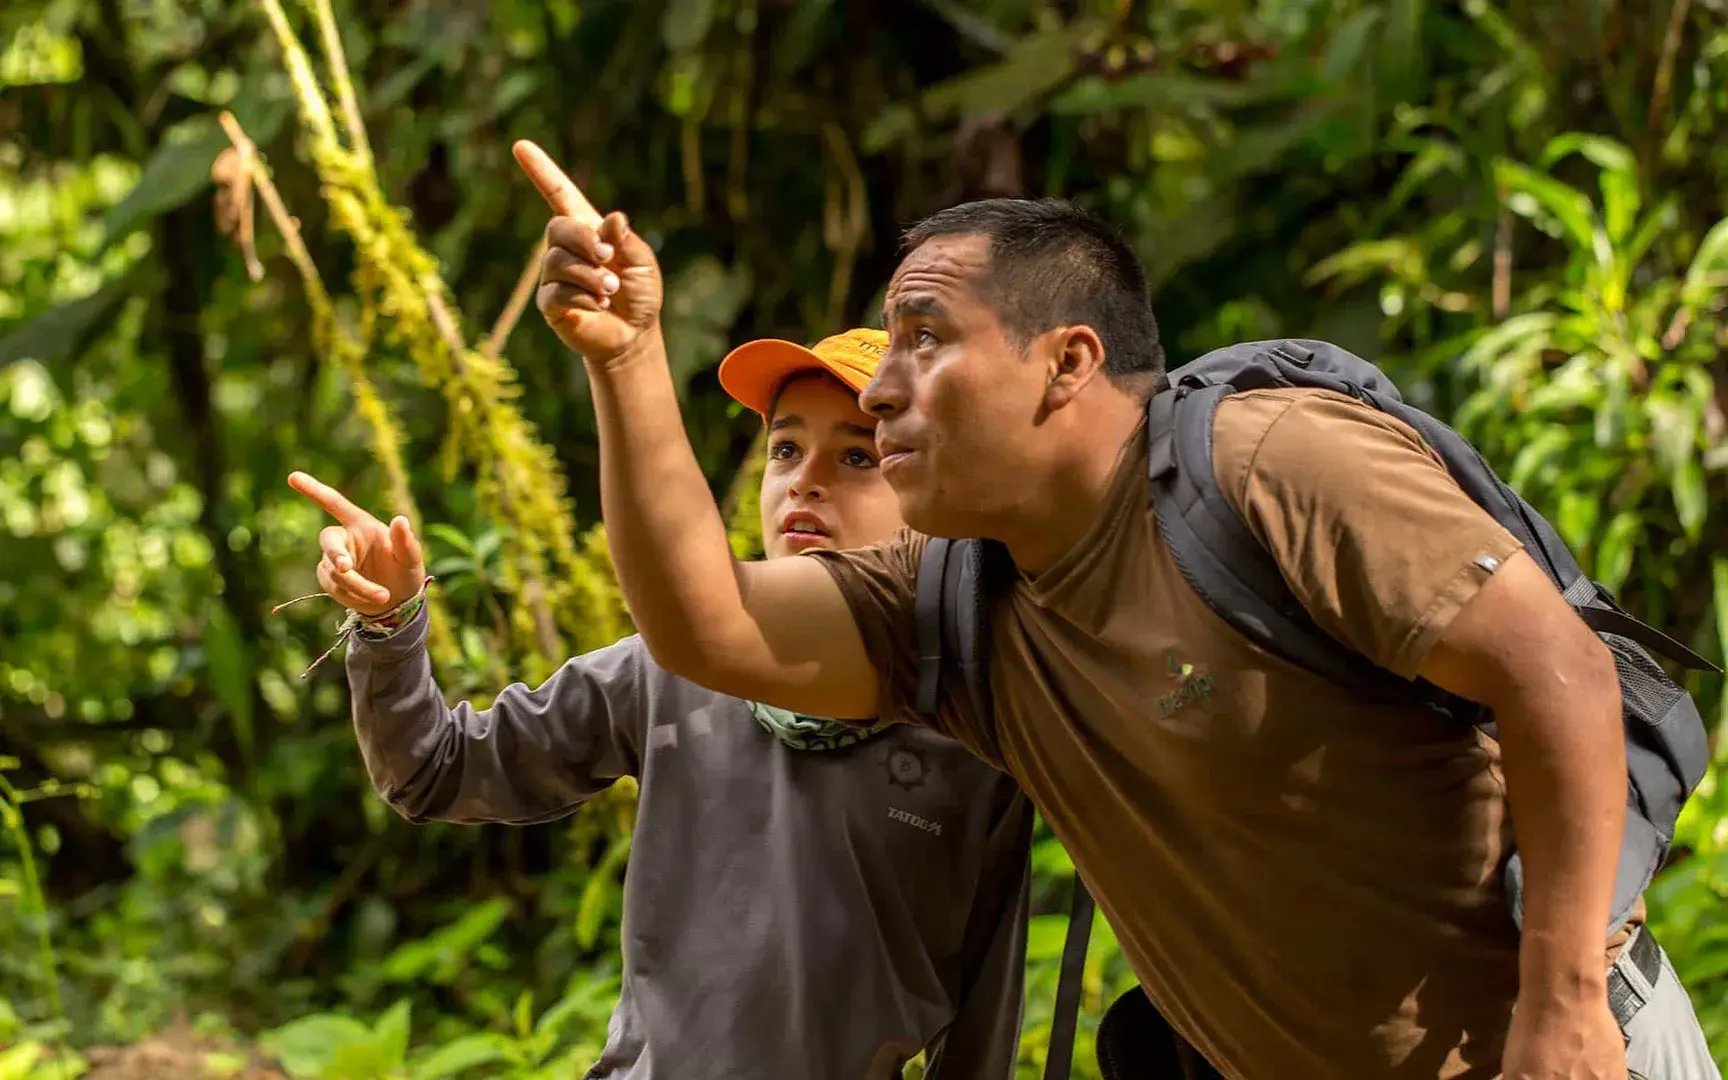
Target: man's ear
[(1074, 356)]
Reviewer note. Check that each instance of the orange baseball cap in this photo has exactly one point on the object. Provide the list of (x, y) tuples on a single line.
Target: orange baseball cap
[(754, 371)]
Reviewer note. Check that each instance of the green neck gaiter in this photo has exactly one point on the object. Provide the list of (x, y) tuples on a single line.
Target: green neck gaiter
[(802, 732)]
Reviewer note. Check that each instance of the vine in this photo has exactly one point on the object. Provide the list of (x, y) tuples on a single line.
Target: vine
[(397, 282)]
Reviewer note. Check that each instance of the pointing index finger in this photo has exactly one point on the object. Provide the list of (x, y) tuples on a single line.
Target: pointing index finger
[(560, 192), (334, 502)]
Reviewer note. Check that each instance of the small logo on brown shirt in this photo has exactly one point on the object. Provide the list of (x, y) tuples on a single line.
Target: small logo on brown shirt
[(1193, 685)]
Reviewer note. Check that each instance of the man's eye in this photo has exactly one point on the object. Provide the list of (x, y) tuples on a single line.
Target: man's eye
[(859, 459), (924, 338), (784, 450)]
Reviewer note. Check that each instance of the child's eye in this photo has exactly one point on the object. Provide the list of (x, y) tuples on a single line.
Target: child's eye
[(784, 450), (859, 459)]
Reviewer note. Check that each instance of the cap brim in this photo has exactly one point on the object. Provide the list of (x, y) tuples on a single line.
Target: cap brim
[(754, 371)]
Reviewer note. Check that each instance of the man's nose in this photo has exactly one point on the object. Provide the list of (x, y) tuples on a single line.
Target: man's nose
[(885, 394)]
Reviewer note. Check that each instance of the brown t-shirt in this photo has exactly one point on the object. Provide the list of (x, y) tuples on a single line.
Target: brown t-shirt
[(1306, 882)]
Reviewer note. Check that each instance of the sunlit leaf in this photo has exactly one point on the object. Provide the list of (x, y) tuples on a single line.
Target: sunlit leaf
[(1689, 496), (1614, 556), (18, 1062), (1619, 176), (459, 1055), (1577, 517), (1674, 423), (1539, 452), (1044, 936), (1398, 255), (1709, 269), (306, 1046), (440, 956), (590, 1001), (1566, 205), (392, 1032), (598, 892), (1660, 219), (1719, 587), (453, 536)]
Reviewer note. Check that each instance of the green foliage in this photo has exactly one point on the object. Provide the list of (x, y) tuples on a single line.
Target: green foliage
[(1516, 207), (563, 1038)]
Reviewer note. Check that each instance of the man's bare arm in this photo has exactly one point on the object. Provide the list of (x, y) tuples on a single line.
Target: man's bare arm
[(1520, 649), (779, 632)]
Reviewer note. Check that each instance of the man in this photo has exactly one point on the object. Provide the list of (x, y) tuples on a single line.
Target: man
[(1306, 882), (804, 897)]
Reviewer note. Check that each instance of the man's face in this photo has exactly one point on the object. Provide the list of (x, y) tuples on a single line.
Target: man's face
[(959, 403), (821, 487)]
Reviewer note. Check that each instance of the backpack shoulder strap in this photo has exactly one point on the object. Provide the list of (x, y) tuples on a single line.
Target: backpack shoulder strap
[(1220, 557), (1059, 1057), (951, 609), (1593, 603)]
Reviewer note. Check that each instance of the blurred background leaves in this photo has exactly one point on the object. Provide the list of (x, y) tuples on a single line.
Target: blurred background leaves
[(1516, 207)]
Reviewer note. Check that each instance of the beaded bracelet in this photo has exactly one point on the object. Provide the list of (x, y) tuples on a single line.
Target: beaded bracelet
[(381, 624)]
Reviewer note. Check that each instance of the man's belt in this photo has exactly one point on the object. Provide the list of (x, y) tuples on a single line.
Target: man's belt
[(1623, 998)]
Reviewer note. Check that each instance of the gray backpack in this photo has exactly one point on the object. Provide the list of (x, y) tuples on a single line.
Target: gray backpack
[(1666, 749)]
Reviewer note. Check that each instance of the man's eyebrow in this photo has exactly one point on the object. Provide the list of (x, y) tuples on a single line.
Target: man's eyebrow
[(785, 420), (915, 305)]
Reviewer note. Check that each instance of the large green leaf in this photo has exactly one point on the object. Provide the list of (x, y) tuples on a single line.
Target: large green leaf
[(1542, 194), (685, 23), (1548, 445), (228, 665), (590, 1000), (1169, 91), (178, 170), (1400, 256), (1036, 65), (66, 329), (1674, 422), (1349, 43), (1689, 497), (306, 1046), (440, 957), (1614, 557), (391, 1032), (598, 891), (1719, 587), (1619, 178), (459, 1055), (1709, 269)]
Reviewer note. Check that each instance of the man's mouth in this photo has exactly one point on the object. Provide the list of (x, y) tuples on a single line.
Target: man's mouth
[(892, 452)]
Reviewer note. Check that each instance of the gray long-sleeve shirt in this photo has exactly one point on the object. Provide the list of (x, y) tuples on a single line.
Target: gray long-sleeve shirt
[(787, 913)]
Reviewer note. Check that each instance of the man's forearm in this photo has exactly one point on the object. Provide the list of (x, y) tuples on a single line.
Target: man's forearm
[(665, 533), (1565, 763)]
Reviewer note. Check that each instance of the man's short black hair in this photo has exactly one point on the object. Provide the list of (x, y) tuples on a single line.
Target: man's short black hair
[(1054, 264)]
